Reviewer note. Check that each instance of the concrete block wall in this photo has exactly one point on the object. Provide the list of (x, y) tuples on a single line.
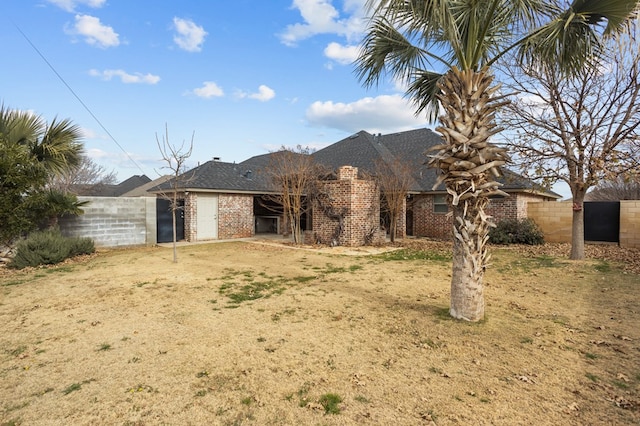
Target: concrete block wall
[(235, 216), (554, 218), (630, 223), (114, 221)]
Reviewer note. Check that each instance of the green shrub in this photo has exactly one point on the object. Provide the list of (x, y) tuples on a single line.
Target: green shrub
[(47, 248), (79, 246), (514, 231)]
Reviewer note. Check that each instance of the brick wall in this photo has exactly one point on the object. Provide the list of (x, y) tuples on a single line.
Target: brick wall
[(190, 217), (401, 223), (503, 208), (361, 201), (235, 216), (427, 223)]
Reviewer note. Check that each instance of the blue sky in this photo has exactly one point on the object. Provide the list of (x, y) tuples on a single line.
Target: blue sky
[(247, 76)]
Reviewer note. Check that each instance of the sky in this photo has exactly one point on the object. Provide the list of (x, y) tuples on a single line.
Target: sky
[(241, 77)]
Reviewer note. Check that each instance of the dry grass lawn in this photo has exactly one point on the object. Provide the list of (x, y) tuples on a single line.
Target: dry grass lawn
[(247, 333)]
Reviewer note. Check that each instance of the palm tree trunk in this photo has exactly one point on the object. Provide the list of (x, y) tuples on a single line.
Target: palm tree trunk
[(470, 256), (468, 165)]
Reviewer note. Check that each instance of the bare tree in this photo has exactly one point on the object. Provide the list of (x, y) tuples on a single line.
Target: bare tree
[(175, 158), (293, 173), (625, 187), (394, 179), (580, 130), (86, 176)]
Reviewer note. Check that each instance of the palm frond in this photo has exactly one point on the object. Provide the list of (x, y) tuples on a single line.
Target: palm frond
[(573, 38), (20, 127), (615, 12), (423, 91), (386, 51), (59, 149)]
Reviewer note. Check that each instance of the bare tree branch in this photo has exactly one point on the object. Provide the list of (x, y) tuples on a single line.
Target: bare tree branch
[(175, 158), (582, 130), (394, 179), (82, 178), (294, 174)]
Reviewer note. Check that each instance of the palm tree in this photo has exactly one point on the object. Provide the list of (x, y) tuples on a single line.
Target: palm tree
[(445, 49), (55, 146), (33, 152)]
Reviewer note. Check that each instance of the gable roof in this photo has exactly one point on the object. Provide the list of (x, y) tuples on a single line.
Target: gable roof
[(362, 150), (131, 183), (141, 191), (101, 190)]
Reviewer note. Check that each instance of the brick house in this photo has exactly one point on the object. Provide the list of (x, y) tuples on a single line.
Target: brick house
[(222, 200)]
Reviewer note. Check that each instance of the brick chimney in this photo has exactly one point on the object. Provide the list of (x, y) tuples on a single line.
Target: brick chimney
[(347, 173)]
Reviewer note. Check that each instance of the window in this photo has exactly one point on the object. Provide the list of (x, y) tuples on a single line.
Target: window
[(440, 203)]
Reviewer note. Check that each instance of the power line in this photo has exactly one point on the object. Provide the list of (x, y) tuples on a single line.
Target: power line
[(77, 97)]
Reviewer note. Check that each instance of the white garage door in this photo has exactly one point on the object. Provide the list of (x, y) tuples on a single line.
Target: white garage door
[(207, 217)]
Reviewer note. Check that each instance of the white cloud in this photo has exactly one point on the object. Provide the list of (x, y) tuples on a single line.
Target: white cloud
[(94, 32), (321, 17), (70, 5), (344, 55), (90, 134), (96, 153), (208, 90), (382, 114), (190, 36), (264, 94), (126, 77)]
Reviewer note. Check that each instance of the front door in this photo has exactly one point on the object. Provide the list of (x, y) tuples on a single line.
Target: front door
[(207, 217)]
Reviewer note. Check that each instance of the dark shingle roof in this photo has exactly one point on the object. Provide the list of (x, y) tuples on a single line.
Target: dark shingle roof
[(412, 147), (219, 176), (142, 191), (361, 150), (130, 184), (101, 190)]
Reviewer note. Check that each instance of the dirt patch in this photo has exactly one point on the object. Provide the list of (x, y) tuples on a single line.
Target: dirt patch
[(244, 333)]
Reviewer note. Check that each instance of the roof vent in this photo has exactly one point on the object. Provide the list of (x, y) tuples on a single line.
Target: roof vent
[(216, 158), (248, 174)]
